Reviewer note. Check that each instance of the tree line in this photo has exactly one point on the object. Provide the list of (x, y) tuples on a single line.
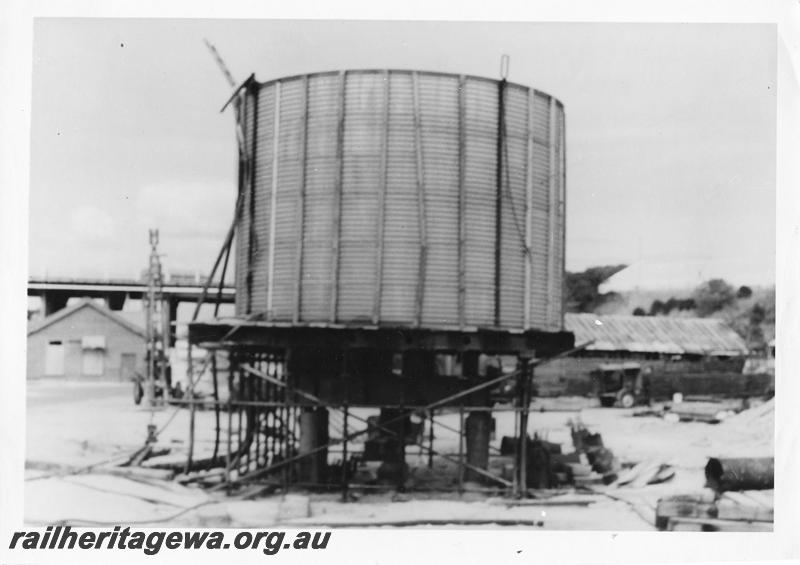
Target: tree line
[(712, 298)]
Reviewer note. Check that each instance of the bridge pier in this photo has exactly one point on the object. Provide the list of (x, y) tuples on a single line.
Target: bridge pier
[(116, 300), (170, 317), (54, 301)]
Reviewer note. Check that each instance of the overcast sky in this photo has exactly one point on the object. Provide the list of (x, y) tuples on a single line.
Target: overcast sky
[(670, 133)]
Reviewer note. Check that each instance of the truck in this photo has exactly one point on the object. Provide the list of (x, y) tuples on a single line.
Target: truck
[(625, 384)]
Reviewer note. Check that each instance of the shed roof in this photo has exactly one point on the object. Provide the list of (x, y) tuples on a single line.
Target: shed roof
[(655, 334), (84, 303)]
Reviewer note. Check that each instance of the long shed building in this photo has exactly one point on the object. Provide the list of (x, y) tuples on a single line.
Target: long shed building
[(690, 355)]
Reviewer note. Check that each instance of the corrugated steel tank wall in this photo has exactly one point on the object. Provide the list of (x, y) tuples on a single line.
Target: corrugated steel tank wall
[(373, 201)]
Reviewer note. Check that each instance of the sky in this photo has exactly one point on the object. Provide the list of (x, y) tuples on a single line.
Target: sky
[(670, 134)]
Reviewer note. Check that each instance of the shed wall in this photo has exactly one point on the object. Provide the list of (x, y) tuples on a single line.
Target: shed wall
[(70, 331)]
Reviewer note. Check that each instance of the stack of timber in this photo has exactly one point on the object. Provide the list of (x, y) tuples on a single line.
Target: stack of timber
[(645, 473), (704, 410), (739, 498)]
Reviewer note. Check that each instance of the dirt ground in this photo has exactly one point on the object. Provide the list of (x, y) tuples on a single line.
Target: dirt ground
[(73, 425)]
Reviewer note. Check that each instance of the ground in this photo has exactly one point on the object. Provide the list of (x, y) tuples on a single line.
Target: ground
[(72, 426)]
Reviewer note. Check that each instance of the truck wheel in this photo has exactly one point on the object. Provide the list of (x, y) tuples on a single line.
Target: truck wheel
[(627, 400), (138, 393)]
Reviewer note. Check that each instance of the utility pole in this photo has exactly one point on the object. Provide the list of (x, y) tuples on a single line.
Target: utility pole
[(156, 336)]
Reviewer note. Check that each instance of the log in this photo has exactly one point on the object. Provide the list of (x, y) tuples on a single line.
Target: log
[(740, 474)]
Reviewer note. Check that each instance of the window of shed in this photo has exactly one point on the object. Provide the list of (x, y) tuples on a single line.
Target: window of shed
[(93, 342)]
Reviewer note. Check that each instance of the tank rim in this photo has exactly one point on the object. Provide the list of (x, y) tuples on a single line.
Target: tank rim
[(259, 84)]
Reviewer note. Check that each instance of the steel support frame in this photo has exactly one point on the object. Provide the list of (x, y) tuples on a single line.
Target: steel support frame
[(259, 336), (284, 407)]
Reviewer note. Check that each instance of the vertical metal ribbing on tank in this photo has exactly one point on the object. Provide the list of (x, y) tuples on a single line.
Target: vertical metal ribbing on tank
[(563, 216), (273, 198), (551, 213), (301, 202), (376, 312), (337, 197), (528, 215), (251, 173), (462, 206), (420, 172), (498, 214)]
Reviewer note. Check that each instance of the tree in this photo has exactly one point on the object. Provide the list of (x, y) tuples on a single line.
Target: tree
[(656, 308), (755, 333), (639, 311), (744, 292), (712, 296), (757, 314), (583, 294)]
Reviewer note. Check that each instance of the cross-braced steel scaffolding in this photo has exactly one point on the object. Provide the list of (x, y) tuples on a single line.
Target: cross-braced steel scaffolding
[(294, 412), (157, 330)]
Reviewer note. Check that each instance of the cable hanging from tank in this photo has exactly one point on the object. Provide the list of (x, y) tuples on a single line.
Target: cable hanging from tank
[(504, 186), (504, 65)]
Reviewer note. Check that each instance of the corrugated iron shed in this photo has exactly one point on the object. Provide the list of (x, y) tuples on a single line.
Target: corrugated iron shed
[(653, 334)]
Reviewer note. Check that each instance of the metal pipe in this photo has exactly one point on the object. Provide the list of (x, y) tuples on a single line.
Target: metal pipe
[(525, 400), (430, 441), (216, 403), (231, 369), (252, 392), (344, 456), (461, 447), (222, 278), (238, 457), (191, 410), (734, 474), (225, 246)]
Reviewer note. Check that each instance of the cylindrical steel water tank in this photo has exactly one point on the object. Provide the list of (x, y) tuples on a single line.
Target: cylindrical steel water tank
[(401, 198)]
